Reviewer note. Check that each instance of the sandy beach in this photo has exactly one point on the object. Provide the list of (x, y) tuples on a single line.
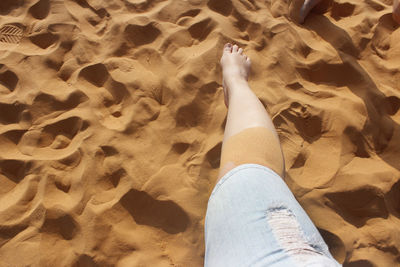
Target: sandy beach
[(112, 117)]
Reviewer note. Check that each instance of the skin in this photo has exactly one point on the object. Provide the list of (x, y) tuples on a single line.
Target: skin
[(396, 11), (307, 6), (244, 108)]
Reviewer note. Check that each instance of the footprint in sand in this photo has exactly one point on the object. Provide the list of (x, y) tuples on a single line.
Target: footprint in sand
[(11, 34), (121, 108), (38, 34), (8, 80)]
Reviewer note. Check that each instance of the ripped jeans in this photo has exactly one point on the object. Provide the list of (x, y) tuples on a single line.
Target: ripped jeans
[(253, 219)]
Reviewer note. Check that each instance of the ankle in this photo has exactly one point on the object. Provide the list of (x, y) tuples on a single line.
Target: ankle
[(234, 83)]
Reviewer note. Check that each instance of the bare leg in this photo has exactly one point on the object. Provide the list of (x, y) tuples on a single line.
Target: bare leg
[(396, 11), (245, 111), (306, 8)]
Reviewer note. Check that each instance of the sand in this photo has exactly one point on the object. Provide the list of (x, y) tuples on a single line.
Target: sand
[(112, 117)]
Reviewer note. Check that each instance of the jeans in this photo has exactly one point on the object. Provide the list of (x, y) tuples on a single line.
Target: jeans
[(253, 219)]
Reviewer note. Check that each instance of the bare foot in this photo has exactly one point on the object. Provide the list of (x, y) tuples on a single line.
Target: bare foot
[(235, 68)]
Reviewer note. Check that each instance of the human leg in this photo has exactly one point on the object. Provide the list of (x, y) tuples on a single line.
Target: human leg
[(396, 11), (254, 220), (252, 217), (306, 8), (250, 136)]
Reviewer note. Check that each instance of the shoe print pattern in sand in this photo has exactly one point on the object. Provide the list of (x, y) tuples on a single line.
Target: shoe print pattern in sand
[(112, 116), (10, 34)]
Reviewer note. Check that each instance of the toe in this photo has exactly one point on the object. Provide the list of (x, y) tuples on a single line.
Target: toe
[(240, 51), (235, 48), (228, 47)]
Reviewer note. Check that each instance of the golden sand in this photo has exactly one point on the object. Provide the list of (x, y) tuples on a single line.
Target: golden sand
[(112, 117)]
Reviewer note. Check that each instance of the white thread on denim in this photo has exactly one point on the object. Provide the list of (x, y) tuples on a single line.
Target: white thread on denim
[(289, 235)]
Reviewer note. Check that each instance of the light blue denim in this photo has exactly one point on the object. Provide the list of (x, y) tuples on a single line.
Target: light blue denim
[(238, 231)]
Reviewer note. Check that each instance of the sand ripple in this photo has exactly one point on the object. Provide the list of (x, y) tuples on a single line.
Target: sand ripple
[(112, 116)]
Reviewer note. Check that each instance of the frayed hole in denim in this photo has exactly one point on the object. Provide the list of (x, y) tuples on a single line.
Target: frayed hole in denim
[(290, 236)]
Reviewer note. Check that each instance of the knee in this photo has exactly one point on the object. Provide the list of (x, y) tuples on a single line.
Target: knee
[(254, 145)]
